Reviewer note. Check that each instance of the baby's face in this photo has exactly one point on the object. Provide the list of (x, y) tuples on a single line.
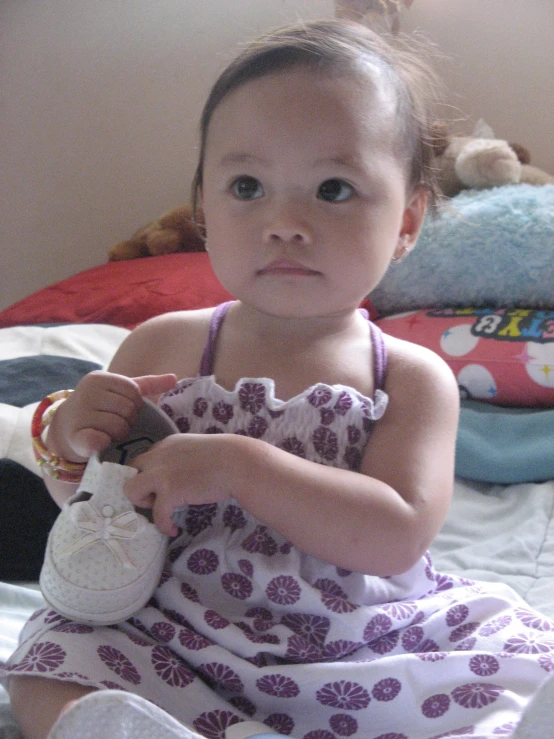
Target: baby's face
[(303, 192)]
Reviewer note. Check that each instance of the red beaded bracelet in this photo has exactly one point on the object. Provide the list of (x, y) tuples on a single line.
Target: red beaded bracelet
[(56, 467)]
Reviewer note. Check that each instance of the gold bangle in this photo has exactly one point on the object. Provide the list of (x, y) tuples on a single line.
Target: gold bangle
[(57, 467)]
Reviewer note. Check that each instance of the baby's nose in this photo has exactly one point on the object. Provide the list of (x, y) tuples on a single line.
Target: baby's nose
[(288, 228), (288, 235)]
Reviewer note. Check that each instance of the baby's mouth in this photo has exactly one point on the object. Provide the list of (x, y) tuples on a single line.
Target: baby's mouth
[(287, 267)]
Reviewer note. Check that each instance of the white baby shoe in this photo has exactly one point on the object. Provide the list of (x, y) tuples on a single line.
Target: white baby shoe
[(104, 558), (115, 714)]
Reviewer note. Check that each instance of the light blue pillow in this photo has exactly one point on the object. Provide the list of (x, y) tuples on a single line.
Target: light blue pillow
[(489, 248), (504, 445)]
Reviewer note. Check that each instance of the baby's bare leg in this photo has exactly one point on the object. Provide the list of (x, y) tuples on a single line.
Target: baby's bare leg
[(37, 702)]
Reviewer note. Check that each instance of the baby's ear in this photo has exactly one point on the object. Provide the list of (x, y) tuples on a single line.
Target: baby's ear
[(412, 220)]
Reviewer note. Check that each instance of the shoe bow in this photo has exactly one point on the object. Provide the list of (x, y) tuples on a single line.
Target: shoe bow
[(102, 526)]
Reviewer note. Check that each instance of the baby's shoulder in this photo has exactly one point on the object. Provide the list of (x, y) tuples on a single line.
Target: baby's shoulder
[(165, 329), (412, 367), (171, 342), (179, 320)]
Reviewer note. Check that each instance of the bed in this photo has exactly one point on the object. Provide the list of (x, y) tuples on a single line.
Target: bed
[(479, 290)]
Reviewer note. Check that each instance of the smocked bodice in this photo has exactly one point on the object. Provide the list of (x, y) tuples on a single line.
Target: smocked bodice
[(326, 424)]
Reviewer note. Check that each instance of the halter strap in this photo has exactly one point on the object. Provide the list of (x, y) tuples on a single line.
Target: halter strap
[(377, 342), (379, 355), (208, 355)]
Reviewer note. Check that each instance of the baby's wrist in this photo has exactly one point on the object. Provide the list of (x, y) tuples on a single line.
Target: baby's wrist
[(50, 459), (242, 465)]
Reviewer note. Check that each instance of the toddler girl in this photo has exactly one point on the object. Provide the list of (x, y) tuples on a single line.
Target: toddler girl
[(316, 462)]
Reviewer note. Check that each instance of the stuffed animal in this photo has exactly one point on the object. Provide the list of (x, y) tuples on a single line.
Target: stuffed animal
[(175, 230), (481, 161)]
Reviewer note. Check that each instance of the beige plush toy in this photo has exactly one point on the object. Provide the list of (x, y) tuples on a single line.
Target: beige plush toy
[(173, 231), (482, 161)]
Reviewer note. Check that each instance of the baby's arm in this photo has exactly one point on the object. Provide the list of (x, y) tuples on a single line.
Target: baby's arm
[(378, 521), (382, 520)]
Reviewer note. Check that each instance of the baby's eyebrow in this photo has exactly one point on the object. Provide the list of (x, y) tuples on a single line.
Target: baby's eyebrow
[(239, 158), (341, 160), (234, 158)]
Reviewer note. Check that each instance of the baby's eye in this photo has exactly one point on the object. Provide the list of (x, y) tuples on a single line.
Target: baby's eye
[(247, 188), (335, 191)]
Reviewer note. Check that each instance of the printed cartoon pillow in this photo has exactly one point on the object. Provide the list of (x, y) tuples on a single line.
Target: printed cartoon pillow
[(504, 356)]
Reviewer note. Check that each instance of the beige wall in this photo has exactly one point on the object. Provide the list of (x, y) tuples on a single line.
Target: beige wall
[(499, 65), (99, 108), (100, 102)]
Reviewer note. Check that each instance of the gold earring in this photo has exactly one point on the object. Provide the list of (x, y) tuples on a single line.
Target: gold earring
[(403, 251)]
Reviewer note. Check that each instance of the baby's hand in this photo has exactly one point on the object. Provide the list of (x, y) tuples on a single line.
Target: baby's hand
[(102, 409), (179, 470)]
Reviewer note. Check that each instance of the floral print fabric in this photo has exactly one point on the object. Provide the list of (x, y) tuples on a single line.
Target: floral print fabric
[(245, 626)]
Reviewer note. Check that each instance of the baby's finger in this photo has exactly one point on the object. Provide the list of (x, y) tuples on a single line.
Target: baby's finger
[(140, 489), (105, 392), (89, 440), (162, 514), (155, 384)]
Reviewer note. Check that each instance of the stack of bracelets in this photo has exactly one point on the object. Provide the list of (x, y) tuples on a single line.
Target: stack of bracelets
[(56, 467)]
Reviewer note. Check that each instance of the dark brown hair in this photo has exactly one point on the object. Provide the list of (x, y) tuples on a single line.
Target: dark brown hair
[(338, 47)]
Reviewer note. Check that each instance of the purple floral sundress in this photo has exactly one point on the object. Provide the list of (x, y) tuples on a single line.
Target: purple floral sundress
[(245, 626)]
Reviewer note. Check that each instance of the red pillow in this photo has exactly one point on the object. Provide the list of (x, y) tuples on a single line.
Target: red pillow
[(123, 293), (504, 356)]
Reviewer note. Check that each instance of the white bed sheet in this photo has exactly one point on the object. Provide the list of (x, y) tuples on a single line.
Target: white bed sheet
[(502, 533)]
